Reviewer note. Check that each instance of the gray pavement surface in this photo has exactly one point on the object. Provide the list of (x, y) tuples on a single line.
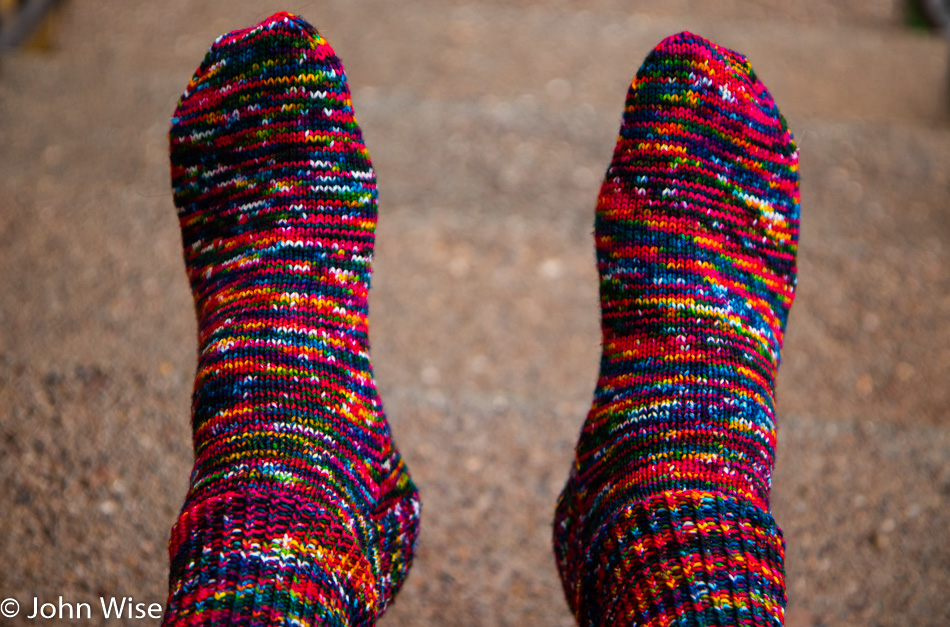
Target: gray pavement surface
[(490, 125)]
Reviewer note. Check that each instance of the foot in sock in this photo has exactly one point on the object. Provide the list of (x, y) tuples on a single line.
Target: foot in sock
[(300, 510), (665, 518)]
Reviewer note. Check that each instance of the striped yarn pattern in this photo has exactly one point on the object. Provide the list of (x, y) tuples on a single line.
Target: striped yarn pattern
[(665, 518), (300, 510)]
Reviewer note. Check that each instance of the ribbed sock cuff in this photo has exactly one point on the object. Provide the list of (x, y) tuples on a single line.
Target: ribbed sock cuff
[(687, 558), (255, 558)]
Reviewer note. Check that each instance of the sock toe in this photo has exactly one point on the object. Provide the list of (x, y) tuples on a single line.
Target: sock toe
[(250, 116), (283, 33), (718, 76)]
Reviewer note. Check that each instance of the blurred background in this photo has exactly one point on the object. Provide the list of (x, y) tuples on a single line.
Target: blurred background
[(490, 124)]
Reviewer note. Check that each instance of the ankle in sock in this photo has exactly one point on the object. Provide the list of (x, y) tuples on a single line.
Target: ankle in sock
[(665, 518), (300, 510)]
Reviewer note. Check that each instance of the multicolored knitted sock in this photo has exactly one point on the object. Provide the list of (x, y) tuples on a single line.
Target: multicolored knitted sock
[(301, 510), (665, 518)]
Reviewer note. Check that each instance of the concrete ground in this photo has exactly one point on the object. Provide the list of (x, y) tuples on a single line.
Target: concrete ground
[(490, 125)]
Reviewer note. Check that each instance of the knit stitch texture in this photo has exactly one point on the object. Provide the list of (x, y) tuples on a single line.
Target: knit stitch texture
[(665, 518), (300, 509)]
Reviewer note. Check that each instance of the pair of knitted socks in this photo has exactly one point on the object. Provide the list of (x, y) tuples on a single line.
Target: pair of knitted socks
[(301, 510)]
